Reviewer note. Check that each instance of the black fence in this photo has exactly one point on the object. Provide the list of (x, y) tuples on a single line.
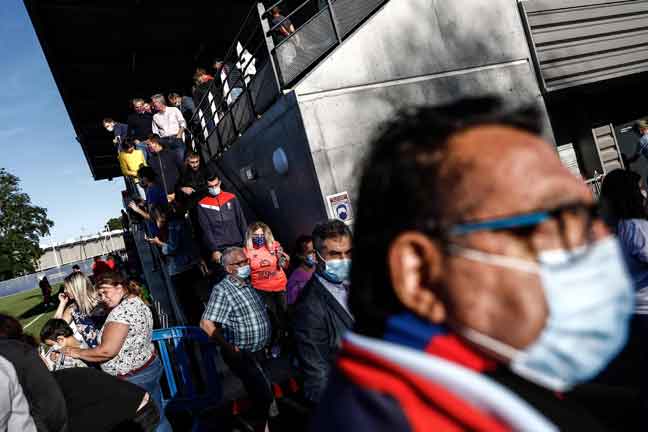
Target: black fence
[(266, 58)]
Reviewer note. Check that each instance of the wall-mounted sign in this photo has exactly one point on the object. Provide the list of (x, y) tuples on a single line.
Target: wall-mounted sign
[(340, 206)]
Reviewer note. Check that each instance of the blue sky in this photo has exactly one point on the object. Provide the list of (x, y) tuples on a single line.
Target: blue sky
[(37, 139)]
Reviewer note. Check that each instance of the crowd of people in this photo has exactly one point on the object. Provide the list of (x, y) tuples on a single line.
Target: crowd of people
[(491, 300)]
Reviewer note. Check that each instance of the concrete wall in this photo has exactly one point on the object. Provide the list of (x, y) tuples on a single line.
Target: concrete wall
[(80, 250), (412, 52), (290, 203)]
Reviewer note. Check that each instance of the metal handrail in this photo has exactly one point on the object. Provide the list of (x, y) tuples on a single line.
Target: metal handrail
[(273, 6), (297, 9), (227, 54), (226, 118), (213, 84)]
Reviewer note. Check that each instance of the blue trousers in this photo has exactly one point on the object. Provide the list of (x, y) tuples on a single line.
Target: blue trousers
[(176, 145), (149, 380)]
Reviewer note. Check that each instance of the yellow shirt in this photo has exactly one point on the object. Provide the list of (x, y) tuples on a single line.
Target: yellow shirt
[(131, 162)]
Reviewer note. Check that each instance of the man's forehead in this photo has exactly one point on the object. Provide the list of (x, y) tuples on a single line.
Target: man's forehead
[(337, 242), (507, 171), (237, 257)]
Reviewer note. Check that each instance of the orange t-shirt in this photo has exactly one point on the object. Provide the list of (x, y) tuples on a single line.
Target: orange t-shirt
[(267, 275)]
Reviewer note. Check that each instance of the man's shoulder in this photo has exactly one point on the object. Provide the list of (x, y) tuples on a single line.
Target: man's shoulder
[(311, 294), (225, 197), (208, 202), (232, 283)]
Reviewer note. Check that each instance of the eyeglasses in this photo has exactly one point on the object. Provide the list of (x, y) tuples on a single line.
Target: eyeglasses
[(569, 217)]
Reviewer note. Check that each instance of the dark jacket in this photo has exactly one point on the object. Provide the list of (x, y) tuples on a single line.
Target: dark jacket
[(167, 168), (187, 107), (195, 180), (221, 221), (46, 401), (320, 323), (120, 133), (140, 126)]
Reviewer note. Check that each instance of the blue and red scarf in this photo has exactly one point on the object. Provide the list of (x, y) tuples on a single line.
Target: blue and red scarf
[(436, 378)]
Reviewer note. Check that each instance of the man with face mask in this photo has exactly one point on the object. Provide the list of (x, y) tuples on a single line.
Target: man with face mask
[(237, 320), (220, 217), (322, 314), (118, 130), (493, 288)]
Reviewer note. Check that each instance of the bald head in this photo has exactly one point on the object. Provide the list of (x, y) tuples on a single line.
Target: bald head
[(506, 171), (469, 161)]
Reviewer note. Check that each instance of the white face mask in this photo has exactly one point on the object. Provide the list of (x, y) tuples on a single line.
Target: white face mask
[(110, 127), (214, 190), (590, 300)]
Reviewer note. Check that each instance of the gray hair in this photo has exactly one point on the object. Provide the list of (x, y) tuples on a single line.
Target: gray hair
[(159, 97), (227, 254)]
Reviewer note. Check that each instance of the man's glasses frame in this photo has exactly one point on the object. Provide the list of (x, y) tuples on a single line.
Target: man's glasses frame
[(529, 221)]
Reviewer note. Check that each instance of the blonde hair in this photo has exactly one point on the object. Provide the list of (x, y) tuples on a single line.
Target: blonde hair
[(84, 292), (266, 232)]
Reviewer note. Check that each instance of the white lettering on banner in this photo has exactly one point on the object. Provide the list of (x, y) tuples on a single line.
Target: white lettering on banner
[(246, 63), (223, 77)]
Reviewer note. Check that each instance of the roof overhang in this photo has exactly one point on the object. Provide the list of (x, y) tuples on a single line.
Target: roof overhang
[(102, 54)]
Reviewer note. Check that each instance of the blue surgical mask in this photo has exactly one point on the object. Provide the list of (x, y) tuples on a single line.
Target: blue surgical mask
[(214, 190), (590, 300), (243, 272), (310, 261), (337, 271)]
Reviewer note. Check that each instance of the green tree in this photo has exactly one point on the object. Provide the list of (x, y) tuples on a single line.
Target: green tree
[(114, 224), (22, 224)]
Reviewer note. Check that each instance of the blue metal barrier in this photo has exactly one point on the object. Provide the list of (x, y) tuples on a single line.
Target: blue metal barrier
[(191, 381)]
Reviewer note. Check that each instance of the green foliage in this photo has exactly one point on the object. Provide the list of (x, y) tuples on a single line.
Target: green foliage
[(114, 224), (21, 226)]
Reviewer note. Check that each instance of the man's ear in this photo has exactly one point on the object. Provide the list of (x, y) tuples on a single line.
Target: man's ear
[(415, 270)]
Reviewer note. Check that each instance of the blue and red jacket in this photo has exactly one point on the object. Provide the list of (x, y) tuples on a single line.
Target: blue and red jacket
[(421, 377), (222, 221)]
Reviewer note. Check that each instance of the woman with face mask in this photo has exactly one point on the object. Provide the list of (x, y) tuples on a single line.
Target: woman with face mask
[(267, 264), (306, 258)]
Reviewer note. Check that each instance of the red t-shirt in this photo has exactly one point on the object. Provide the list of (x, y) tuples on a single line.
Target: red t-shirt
[(267, 275)]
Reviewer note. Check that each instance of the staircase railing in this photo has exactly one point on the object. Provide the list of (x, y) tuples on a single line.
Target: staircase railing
[(267, 64)]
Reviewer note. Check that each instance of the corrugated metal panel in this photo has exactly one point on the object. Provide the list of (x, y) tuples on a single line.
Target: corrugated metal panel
[(607, 147), (577, 42)]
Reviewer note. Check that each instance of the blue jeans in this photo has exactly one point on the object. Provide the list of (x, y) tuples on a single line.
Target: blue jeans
[(176, 145), (149, 380)]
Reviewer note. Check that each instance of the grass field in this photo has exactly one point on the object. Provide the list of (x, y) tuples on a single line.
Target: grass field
[(28, 307)]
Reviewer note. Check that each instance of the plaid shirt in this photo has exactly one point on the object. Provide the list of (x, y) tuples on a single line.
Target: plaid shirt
[(237, 307)]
